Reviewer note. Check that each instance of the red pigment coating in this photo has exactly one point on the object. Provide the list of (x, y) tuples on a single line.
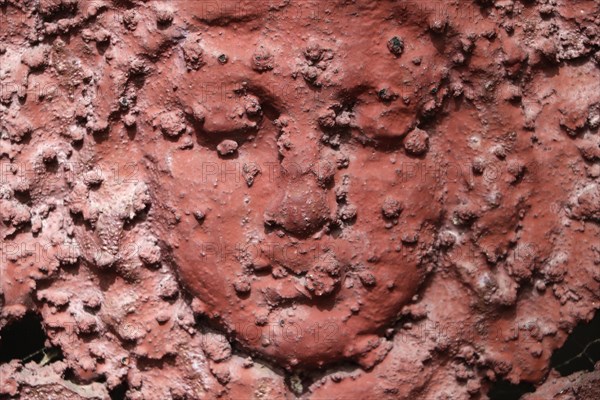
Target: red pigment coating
[(297, 199)]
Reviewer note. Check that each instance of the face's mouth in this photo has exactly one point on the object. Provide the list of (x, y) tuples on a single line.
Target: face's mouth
[(307, 270), (289, 253)]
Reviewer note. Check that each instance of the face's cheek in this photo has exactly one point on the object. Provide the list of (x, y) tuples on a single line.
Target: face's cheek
[(391, 230)]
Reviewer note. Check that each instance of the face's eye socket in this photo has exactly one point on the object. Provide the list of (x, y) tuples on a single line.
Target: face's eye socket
[(371, 115), (228, 112), (380, 121)]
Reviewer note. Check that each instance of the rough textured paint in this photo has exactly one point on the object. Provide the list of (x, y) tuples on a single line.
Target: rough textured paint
[(297, 198)]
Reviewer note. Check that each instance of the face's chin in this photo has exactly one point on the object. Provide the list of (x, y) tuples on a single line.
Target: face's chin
[(305, 308)]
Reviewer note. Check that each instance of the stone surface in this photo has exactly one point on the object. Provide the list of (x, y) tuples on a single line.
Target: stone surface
[(374, 199)]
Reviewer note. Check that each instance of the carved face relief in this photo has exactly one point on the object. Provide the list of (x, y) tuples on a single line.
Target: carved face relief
[(302, 219)]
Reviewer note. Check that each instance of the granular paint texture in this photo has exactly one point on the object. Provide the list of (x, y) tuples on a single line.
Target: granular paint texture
[(304, 199)]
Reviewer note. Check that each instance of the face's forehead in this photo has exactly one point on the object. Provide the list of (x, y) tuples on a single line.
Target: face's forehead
[(296, 67)]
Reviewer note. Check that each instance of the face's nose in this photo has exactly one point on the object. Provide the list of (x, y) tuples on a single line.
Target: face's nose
[(301, 209), (301, 206)]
